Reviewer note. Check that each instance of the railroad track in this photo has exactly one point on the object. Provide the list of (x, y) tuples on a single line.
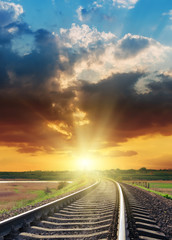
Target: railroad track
[(97, 212)]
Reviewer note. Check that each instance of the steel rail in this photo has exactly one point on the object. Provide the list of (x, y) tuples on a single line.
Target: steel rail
[(121, 225), (18, 221)]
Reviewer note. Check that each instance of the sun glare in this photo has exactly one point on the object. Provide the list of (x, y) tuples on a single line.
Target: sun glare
[(85, 163)]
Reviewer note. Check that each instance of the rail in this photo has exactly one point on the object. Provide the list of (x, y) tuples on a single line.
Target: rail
[(121, 220)]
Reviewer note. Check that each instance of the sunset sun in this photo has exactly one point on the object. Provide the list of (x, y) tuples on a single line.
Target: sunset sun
[(86, 163)]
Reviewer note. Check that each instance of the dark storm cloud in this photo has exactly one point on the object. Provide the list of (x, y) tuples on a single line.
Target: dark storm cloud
[(41, 63), (28, 70), (36, 68), (30, 99), (126, 113), (30, 94), (25, 115)]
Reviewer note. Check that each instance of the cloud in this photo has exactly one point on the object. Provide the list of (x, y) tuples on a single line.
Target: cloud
[(48, 93), (102, 55), (83, 13), (5, 37), (18, 28), (168, 14), (134, 52), (84, 36), (95, 11), (10, 24), (131, 45), (123, 153), (98, 4), (28, 116), (125, 3), (31, 100), (9, 12), (114, 104), (80, 49), (98, 55), (103, 10), (85, 50)]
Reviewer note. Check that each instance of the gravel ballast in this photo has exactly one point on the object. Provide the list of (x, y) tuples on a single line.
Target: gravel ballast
[(159, 207)]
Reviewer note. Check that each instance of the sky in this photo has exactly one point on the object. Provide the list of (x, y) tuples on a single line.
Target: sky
[(85, 84)]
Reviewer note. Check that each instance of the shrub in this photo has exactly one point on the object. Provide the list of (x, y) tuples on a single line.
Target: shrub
[(167, 196), (62, 185), (47, 190)]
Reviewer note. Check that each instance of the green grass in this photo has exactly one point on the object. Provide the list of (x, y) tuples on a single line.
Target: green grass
[(168, 196), (16, 190), (160, 185), (118, 174), (3, 211), (43, 195)]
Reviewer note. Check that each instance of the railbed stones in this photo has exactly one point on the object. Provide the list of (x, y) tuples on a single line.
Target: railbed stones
[(149, 215)]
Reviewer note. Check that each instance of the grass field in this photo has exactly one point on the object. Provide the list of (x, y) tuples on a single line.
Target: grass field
[(17, 195), (161, 185), (163, 188)]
